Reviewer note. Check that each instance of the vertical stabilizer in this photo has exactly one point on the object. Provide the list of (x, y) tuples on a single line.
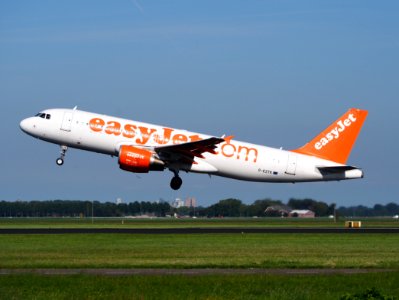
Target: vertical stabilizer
[(335, 143)]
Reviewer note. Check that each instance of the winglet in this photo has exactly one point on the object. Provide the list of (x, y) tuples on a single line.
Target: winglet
[(335, 143)]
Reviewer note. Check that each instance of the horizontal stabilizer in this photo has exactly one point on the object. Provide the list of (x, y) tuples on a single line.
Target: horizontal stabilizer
[(336, 169)]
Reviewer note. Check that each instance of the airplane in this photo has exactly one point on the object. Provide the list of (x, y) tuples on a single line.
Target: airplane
[(142, 147)]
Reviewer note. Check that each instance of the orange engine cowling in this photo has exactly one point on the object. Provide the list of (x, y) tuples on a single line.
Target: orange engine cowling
[(138, 160)]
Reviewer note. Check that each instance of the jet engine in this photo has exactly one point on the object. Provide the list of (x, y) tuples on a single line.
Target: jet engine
[(138, 160)]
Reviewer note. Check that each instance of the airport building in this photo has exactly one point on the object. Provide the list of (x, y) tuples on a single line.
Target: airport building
[(278, 210), (302, 213), (286, 211)]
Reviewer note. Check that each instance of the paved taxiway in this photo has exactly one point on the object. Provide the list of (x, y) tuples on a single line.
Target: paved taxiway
[(213, 230)]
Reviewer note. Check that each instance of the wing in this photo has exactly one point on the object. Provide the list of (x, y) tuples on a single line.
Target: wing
[(186, 152)]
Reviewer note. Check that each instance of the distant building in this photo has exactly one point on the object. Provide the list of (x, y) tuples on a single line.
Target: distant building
[(177, 203), (277, 210), (190, 202), (302, 213), (119, 201)]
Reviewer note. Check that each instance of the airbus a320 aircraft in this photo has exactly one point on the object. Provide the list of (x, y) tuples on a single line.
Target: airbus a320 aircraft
[(142, 147)]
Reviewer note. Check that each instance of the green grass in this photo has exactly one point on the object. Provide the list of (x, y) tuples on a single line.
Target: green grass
[(200, 251), (187, 222), (195, 287), (195, 251)]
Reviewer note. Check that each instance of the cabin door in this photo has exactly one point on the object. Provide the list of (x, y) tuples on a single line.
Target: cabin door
[(67, 121), (291, 164)]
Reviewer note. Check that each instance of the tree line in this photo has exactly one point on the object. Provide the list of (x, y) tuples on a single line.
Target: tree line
[(72, 208), (224, 208)]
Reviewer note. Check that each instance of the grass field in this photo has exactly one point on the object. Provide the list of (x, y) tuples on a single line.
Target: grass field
[(195, 287), (353, 251), (187, 222), (200, 251)]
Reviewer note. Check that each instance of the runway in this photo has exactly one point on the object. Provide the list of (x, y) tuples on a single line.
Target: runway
[(213, 230)]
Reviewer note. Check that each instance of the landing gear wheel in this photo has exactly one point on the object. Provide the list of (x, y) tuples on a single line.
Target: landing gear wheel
[(60, 160), (176, 183)]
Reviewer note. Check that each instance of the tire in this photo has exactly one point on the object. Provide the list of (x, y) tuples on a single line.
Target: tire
[(176, 183)]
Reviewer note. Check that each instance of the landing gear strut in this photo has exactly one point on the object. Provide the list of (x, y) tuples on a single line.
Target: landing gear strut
[(60, 160), (176, 181)]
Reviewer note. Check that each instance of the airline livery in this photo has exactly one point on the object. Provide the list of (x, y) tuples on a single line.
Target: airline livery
[(142, 147)]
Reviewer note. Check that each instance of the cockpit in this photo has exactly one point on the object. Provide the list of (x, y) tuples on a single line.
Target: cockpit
[(43, 116)]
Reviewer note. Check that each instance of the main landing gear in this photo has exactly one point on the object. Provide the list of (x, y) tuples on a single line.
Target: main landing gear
[(60, 160), (176, 181)]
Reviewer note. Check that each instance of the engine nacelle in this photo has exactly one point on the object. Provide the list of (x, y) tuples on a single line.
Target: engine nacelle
[(138, 160)]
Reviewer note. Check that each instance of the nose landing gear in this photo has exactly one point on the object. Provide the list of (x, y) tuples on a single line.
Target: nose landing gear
[(60, 160)]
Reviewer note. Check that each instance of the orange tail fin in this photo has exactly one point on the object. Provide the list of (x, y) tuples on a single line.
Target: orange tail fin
[(336, 142)]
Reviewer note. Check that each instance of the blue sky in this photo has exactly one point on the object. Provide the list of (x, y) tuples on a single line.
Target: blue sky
[(269, 72)]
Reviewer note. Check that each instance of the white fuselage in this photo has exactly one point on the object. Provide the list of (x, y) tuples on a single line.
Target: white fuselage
[(233, 159)]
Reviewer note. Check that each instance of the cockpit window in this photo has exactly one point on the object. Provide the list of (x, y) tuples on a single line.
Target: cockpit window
[(43, 116)]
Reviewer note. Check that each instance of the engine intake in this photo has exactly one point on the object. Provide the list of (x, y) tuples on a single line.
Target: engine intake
[(138, 160)]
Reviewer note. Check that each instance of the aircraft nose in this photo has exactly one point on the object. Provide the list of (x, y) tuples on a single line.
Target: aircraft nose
[(25, 125)]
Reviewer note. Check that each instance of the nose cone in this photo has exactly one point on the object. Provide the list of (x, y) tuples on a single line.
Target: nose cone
[(26, 125)]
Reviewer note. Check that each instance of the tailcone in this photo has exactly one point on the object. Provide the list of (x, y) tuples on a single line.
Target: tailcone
[(354, 174)]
